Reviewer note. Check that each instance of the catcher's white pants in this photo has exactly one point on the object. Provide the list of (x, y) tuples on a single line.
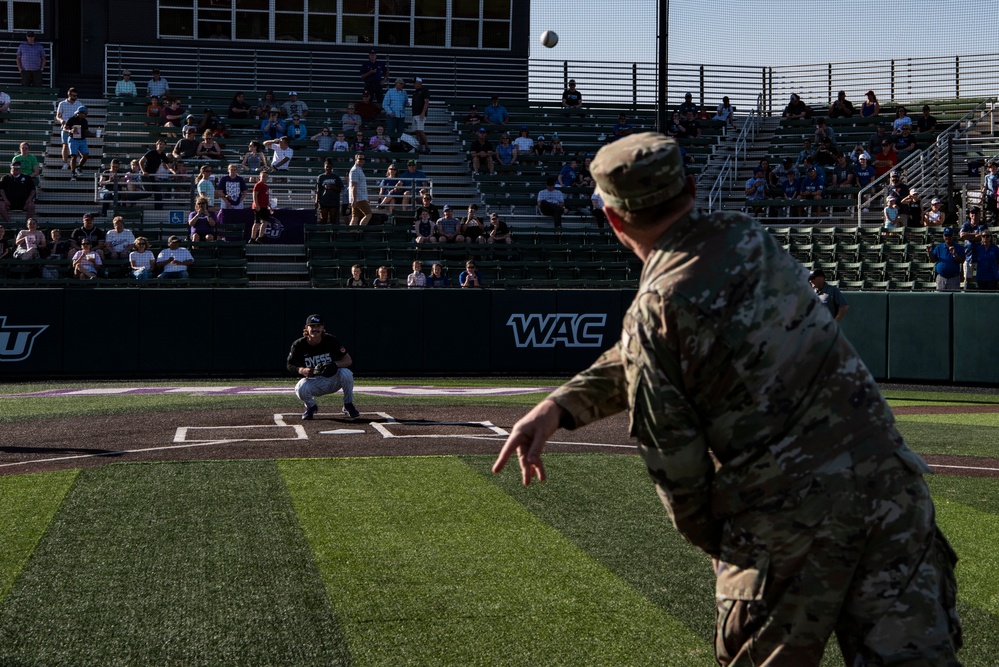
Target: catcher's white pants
[(308, 388)]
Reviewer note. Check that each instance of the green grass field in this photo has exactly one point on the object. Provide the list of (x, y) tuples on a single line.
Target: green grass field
[(392, 561)]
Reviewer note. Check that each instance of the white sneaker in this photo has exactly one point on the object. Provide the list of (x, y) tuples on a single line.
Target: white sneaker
[(65, 165)]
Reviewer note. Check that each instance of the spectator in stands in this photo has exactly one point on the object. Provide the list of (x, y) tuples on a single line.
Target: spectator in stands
[(87, 261), (29, 163), (597, 209), (676, 128), (471, 227), (990, 192), (437, 278), (30, 59), (572, 99), (209, 149), (901, 120), (65, 110), (231, 189), (842, 107), (691, 126), (133, 181), (174, 115), (357, 278), (141, 259), (341, 145), (806, 153), (823, 131), (812, 186), (912, 206), (948, 256), (496, 113), (880, 136), (417, 278), (88, 231), (4, 103), (329, 187), (324, 140), (202, 222), (905, 143), (187, 147), (382, 279), (272, 127), (392, 190), (870, 107), (623, 128), (17, 193), (551, 202), (936, 216), (211, 123), (360, 208), (283, 152), (239, 109), (482, 149), (360, 143), (424, 228), (891, 214), (687, 105), (864, 173), (725, 111), (926, 122), (826, 154), (470, 277), (971, 234), (896, 187), (886, 159), (253, 160), (294, 106), (373, 73), (30, 243), (796, 109), (204, 185), (157, 86), (448, 227), (261, 208), (154, 112), (368, 109), (756, 190), (421, 106), (542, 147), (427, 204), (266, 104), (524, 144), (58, 247), (118, 241), (828, 295), (174, 260), (585, 177), (506, 151), (987, 275), (556, 146), (296, 129), (125, 87), (394, 104), (790, 187), (474, 118), (568, 177), (414, 179), (380, 141), (498, 231)]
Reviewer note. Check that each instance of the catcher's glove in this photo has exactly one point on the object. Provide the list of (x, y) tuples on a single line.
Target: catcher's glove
[(325, 369)]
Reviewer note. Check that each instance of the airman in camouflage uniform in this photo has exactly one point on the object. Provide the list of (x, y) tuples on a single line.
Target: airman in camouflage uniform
[(765, 435)]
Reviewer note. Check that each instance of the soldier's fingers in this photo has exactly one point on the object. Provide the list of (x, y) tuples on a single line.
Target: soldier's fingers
[(512, 444)]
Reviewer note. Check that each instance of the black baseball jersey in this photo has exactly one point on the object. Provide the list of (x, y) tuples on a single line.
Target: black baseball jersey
[(302, 354)]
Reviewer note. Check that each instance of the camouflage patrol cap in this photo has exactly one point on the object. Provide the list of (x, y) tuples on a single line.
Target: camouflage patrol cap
[(638, 171)]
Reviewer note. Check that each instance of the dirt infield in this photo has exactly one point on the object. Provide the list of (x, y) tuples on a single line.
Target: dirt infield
[(56, 444)]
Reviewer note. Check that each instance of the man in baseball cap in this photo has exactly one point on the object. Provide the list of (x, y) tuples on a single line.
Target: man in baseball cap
[(763, 431), (322, 362)]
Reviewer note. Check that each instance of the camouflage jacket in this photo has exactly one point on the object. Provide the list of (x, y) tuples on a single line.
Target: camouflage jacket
[(738, 380)]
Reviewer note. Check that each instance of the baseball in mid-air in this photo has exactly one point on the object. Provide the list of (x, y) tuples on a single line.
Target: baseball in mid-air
[(549, 38)]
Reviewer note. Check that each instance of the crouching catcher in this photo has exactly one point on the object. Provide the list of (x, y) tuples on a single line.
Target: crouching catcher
[(323, 363)]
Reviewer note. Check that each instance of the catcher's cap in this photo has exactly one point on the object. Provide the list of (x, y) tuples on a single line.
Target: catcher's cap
[(315, 318), (638, 171)]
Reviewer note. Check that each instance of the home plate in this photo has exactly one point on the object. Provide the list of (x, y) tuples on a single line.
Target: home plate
[(342, 431)]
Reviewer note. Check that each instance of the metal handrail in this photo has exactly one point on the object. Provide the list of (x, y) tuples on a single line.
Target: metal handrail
[(730, 167)]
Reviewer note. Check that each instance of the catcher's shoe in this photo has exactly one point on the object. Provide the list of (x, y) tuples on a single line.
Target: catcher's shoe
[(351, 411), (310, 412)]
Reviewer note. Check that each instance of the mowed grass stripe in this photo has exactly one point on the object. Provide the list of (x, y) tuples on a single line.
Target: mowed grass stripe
[(427, 563), (27, 505), (926, 435), (156, 564)]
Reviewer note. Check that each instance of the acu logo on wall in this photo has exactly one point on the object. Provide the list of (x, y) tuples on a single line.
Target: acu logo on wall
[(16, 341)]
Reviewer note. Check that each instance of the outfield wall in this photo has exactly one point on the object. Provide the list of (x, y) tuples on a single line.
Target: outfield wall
[(109, 333)]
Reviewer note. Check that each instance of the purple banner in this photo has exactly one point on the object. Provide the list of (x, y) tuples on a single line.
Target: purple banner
[(287, 225)]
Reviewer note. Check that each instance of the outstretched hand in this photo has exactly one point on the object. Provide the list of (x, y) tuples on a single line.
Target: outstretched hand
[(528, 439)]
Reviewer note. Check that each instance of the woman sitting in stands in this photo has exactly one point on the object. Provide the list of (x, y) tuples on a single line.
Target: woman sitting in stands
[(253, 160), (202, 222), (209, 148), (901, 120), (556, 145), (506, 152), (265, 104), (796, 109), (726, 111), (324, 139), (870, 106), (239, 109)]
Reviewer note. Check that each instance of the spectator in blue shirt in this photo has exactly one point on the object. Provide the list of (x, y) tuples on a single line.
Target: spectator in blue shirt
[(496, 113), (394, 105), (971, 233), (864, 172), (948, 256), (988, 263)]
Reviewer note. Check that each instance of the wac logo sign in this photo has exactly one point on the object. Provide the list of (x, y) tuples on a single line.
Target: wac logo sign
[(570, 329), (16, 341)]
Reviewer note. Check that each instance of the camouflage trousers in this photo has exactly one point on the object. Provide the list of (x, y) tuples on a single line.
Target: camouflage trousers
[(855, 552)]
